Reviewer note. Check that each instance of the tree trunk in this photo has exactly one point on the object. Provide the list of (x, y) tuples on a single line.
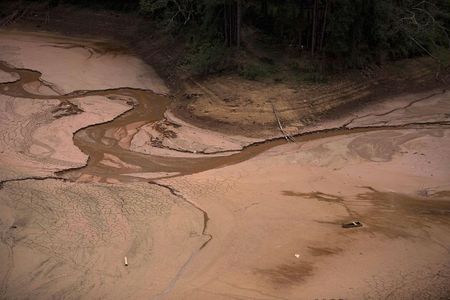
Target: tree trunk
[(313, 34), (324, 25), (238, 24), (225, 27), (230, 25), (300, 28)]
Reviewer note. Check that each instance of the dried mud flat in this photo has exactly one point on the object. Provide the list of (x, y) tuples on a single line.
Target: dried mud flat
[(95, 169)]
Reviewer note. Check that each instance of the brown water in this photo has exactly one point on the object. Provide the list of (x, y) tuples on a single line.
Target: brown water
[(149, 107)]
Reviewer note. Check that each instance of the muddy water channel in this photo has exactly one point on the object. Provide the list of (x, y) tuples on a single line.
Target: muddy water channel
[(147, 107), (268, 228)]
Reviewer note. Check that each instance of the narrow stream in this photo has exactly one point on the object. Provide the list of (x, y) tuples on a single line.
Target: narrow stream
[(149, 107)]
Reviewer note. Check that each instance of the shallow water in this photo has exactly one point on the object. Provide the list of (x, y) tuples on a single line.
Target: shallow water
[(148, 107)]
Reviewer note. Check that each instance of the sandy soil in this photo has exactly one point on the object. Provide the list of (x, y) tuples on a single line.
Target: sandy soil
[(66, 240), (108, 66), (261, 222), (293, 199), (174, 134), (8, 77), (36, 141), (231, 104)]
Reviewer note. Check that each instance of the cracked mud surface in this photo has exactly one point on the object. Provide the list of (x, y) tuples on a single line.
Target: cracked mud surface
[(94, 171), (73, 238)]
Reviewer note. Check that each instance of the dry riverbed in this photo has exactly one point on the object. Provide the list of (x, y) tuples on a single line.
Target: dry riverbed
[(95, 168)]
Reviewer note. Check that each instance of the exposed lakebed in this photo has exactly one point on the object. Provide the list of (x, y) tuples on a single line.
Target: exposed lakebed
[(223, 215)]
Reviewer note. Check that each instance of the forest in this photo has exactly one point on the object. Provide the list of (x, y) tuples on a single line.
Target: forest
[(336, 33)]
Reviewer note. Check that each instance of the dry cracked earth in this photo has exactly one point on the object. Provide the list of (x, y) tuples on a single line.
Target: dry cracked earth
[(96, 169)]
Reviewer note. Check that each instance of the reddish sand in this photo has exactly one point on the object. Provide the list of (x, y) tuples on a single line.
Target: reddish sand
[(268, 226)]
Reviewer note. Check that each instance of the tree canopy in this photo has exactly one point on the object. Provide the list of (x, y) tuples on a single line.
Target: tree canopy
[(350, 33)]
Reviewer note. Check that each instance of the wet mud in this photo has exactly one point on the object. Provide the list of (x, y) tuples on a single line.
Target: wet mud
[(148, 107)]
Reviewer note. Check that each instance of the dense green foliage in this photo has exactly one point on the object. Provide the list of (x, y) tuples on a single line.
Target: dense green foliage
[(363, 31), (347, 32)]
